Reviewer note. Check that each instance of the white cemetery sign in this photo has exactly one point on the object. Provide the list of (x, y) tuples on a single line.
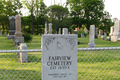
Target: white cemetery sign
[(59, 57)]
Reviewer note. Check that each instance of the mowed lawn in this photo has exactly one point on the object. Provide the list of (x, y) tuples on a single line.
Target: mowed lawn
[(92, 65)]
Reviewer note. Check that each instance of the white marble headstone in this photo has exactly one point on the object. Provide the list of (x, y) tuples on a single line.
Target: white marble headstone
[(59, 57), (116, 33), (91, 43)]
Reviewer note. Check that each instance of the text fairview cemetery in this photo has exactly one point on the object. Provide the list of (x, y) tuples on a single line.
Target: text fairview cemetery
[(59, 62)]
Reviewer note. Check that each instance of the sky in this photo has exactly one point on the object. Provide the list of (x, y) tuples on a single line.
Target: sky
[(112, 6)]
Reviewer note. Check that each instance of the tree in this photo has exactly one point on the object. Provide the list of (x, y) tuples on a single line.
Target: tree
[(8, 8), (36, 9), (106, 22), (86, 12), (39, 14), (56, 14), (30, 5)]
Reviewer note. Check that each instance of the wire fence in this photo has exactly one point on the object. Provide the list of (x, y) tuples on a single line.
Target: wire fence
[(92, 64)]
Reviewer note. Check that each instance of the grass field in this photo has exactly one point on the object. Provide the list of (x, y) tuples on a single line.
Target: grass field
[(92, 65)]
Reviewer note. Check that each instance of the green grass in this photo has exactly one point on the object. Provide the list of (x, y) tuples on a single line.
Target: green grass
[(92, 65)]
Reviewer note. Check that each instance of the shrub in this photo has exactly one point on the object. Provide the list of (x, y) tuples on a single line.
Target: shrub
[(27, 37), (79, 33)]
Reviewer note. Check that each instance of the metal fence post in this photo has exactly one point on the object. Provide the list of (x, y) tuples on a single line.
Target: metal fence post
[(23, 55)]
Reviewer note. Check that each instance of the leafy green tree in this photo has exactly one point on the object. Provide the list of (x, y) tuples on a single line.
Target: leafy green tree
[(30, 5), (86, 12), (106, 22), (36, 9), (56, 14), (8, 8)]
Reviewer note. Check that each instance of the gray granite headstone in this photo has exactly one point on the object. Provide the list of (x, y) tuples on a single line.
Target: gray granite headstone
[(59, 30), (59, 57), (46, 27), (91, 43), (105, 33), (65, 31), (12, 27), (82, 35), (50, 28)]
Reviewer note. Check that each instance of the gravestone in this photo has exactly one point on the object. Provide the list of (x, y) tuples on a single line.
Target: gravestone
[(96, 33), (59, 30), (50, 28), (102, 37), (76, 32), (12, 27), (100, 32), (65, 31), (108, 39), (45, 27), (91, 43), (105, 33), (0, 33), (59, 56), (18, 33), (111, 31), (23, 55), (116, 33), (82, 35)]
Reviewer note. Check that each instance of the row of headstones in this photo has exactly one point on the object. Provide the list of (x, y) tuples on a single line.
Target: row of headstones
[(65, 30), (114, 33), (15, 30)]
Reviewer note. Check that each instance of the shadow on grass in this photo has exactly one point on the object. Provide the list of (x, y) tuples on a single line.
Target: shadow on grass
[(19, 75)]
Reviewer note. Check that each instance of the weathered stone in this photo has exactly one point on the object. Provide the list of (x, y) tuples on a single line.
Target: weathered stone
[(91, 43), (82, 35), (100, 32), (108, 39), (12, 27), (23, 55), (116, 33), (105, 33), (50, 28), (59, 57), (59, 30), (65, 31), (102, 37), (111, 31), (18, 33), (46, 27)]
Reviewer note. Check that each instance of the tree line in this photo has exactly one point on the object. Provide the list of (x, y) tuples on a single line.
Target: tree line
[(75, 13)]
